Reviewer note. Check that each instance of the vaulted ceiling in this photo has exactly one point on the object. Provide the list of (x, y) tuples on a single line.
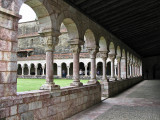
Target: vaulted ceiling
[(135, 22)]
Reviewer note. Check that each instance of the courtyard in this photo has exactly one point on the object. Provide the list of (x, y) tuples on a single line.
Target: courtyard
[(35, 84)]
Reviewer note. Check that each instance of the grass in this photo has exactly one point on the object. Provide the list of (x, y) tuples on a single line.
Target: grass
[(35, 84)]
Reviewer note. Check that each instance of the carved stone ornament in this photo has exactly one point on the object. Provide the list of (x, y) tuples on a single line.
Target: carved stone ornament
[(103, 55), (75, 48), (118, 59)]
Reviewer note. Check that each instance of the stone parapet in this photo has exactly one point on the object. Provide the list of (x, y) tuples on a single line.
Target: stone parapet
[(113, 88), (46, 105)]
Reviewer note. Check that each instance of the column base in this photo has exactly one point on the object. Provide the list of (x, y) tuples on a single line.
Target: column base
[(119, 79), (76, 84), (49, 86), (112, 79), (93, 82)]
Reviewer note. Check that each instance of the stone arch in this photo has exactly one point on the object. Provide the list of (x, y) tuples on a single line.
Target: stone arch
[(99, 68), (26, 69), (88, 68), (64, 69), (71, 68), (71, 27), (19, 70), (39, 69), (112, 48), (55, 68), (118, 51), (41, 8), (89, 38), (123, 53), (32, 71), (82, 68), (102, 45)]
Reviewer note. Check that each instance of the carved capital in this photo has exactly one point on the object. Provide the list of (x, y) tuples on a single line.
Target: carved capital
[(76, 48), (92, 52), (104, 55), (118, 59), (112, 56)]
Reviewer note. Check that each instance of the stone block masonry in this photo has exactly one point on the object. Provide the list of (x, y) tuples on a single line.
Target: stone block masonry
[(113, 88), (45, 105)]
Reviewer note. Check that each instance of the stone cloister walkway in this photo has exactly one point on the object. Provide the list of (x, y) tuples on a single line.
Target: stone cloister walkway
[(141, 102)]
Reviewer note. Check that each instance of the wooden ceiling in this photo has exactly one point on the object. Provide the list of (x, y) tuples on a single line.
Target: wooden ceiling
[(135, 22)]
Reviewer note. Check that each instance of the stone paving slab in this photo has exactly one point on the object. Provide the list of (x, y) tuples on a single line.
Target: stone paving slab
[(141, 102), (131, 113)]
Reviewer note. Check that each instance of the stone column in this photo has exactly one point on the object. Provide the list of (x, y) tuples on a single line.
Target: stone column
[(123, 68), (29, 70), (128, 69), (59, 71), (133, 70), (43, 69), (51, 39), (36, 67), (104, 56), (131, 75), (22, 70), (68, 70), (119, 68), (76, 48), (93, 52), (86, 70), (112, 57)]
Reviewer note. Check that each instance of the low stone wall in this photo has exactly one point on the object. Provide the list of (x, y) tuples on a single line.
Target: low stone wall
[(45, 105), (56, 77), (113, 88)]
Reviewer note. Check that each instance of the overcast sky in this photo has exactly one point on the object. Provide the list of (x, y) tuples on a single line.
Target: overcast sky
[(27, 13)]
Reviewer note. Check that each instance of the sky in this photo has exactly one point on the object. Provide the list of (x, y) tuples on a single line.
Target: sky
[(27, 13)]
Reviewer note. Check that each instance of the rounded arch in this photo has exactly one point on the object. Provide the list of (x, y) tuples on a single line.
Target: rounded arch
[(42, 10), (55, 68), (32, 69), (71, 27), (102, 44), (64, 70), (26, 69), (123, 53), (118, 51), (71, 68), (99, 68), (89, 39), (112, 48), (39, 69), (81, 68), (19, 70)]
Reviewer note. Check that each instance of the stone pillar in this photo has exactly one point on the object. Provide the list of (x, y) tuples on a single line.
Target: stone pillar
[(112, 57), (76, 48), (43, 70), (131, 75), (128, 69), (59, 71), (133, 70), (68, 70), (36, 67), (51, 39), (119, 68), (8, 49), (93, 52), (123, 68), (22, 70), (104, 56), (86, 70), (29, 70)]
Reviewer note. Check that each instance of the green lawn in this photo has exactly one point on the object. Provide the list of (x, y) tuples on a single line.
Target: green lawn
[(35, 84)]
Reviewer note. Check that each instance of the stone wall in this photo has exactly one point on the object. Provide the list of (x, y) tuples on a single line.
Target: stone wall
[(115, 87), (44, 105), (151, 68), (28, 37)]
